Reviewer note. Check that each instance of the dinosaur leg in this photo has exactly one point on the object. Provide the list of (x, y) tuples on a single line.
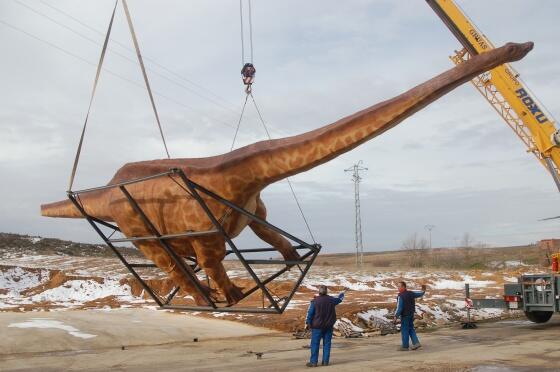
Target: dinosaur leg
[(272, 237), (210, 253), (153, 251)]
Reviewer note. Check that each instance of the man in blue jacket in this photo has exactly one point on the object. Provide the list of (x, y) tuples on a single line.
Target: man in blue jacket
[(406, 307), (321, 317)]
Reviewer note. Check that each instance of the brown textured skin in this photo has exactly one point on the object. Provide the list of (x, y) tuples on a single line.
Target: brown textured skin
[(240, 176)]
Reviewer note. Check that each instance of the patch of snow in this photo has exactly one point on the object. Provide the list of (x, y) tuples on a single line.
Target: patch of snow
[(357, 286), (82, 273), (379, 287), (312, 282), (376, 313), (296, 304), (48, 323), (436, 311), (457, 284), (510, 279), (221, 314), (447, 284), (16, 280), (79, 291), (515, 263)]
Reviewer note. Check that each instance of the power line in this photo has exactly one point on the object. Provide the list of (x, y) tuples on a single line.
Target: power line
[(154, 62), (141, 86), (195, 92), (122, 45)]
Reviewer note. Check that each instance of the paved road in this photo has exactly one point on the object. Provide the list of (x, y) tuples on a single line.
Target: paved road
[(155, 340)]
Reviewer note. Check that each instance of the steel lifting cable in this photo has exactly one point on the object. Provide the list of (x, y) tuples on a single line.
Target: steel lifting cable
[(137, 47), (287, 179), (239, 122), (243, 32), (249, 92), (251, 30), (97, 74), (242, 29), (248, 70), (100, 63)]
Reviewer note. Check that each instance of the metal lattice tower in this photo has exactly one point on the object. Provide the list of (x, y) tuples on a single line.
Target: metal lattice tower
[(356, 169)]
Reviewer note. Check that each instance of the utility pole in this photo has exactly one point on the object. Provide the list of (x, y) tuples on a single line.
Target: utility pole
[(356, 169), (430, 228)]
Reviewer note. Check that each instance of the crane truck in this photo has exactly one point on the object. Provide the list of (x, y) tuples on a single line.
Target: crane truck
[(538, 295)]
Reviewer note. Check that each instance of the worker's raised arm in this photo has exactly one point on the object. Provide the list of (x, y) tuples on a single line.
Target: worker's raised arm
[(418, 294), (340, 296), (421, 293), (339, 299)]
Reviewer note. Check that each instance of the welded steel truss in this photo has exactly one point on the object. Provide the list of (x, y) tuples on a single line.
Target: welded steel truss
[(188, 265)]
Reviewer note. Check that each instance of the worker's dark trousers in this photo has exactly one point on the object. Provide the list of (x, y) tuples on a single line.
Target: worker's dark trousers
[(316, 336), (407, 330)]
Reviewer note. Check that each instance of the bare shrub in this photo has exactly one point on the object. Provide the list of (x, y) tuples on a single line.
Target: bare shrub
[(417, 250)]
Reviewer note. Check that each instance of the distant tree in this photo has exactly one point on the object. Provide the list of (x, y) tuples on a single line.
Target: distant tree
[(417, 250), (467, 242)]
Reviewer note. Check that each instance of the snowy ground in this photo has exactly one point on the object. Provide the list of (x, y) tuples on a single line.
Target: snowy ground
[(36, 283)]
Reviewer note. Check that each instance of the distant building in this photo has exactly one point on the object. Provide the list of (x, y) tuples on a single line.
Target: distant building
[(550, 245)]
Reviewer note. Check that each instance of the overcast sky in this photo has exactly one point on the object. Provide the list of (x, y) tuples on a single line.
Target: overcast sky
[(455, 164)]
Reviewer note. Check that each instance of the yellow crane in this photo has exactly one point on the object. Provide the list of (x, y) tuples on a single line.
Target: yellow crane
[(504, 90)]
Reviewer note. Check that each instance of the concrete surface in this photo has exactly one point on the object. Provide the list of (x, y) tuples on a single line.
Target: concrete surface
[(161, 341), (79, 330)]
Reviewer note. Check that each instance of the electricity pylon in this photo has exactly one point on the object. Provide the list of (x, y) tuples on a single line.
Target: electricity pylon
[(356, 169)]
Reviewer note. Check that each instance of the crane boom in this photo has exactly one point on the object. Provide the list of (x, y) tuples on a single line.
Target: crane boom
[(505, 91)]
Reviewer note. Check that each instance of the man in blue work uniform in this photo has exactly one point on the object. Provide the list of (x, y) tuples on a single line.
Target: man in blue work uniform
[(405, 310), (321, 317)]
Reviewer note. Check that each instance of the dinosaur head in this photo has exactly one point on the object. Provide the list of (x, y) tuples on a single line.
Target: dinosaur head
[(516, 51)]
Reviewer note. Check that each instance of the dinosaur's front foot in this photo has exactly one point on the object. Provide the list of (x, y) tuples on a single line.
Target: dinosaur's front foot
[(233, 295)]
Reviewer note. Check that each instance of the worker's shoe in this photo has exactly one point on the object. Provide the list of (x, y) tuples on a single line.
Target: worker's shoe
[(309, 364), (324, 363), (416, 346), (402, 348)]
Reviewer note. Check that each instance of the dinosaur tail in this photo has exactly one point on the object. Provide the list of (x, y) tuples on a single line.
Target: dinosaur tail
[(64, 209), (95, 204)]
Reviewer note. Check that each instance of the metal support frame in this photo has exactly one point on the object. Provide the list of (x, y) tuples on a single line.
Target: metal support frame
[(189, 270)]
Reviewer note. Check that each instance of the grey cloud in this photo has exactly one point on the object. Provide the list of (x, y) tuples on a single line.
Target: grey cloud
[(453, 164)]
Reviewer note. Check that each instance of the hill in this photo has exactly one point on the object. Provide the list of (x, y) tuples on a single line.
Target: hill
[(444, 258), (15, 244)]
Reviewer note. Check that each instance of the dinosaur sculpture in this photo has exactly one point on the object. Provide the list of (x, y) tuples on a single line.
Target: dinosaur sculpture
[(241, 175)]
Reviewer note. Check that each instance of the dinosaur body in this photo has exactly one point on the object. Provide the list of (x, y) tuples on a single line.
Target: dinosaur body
[(241, 175)]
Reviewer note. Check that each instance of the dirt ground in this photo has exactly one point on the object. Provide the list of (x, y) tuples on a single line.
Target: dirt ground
[(144, 340)]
